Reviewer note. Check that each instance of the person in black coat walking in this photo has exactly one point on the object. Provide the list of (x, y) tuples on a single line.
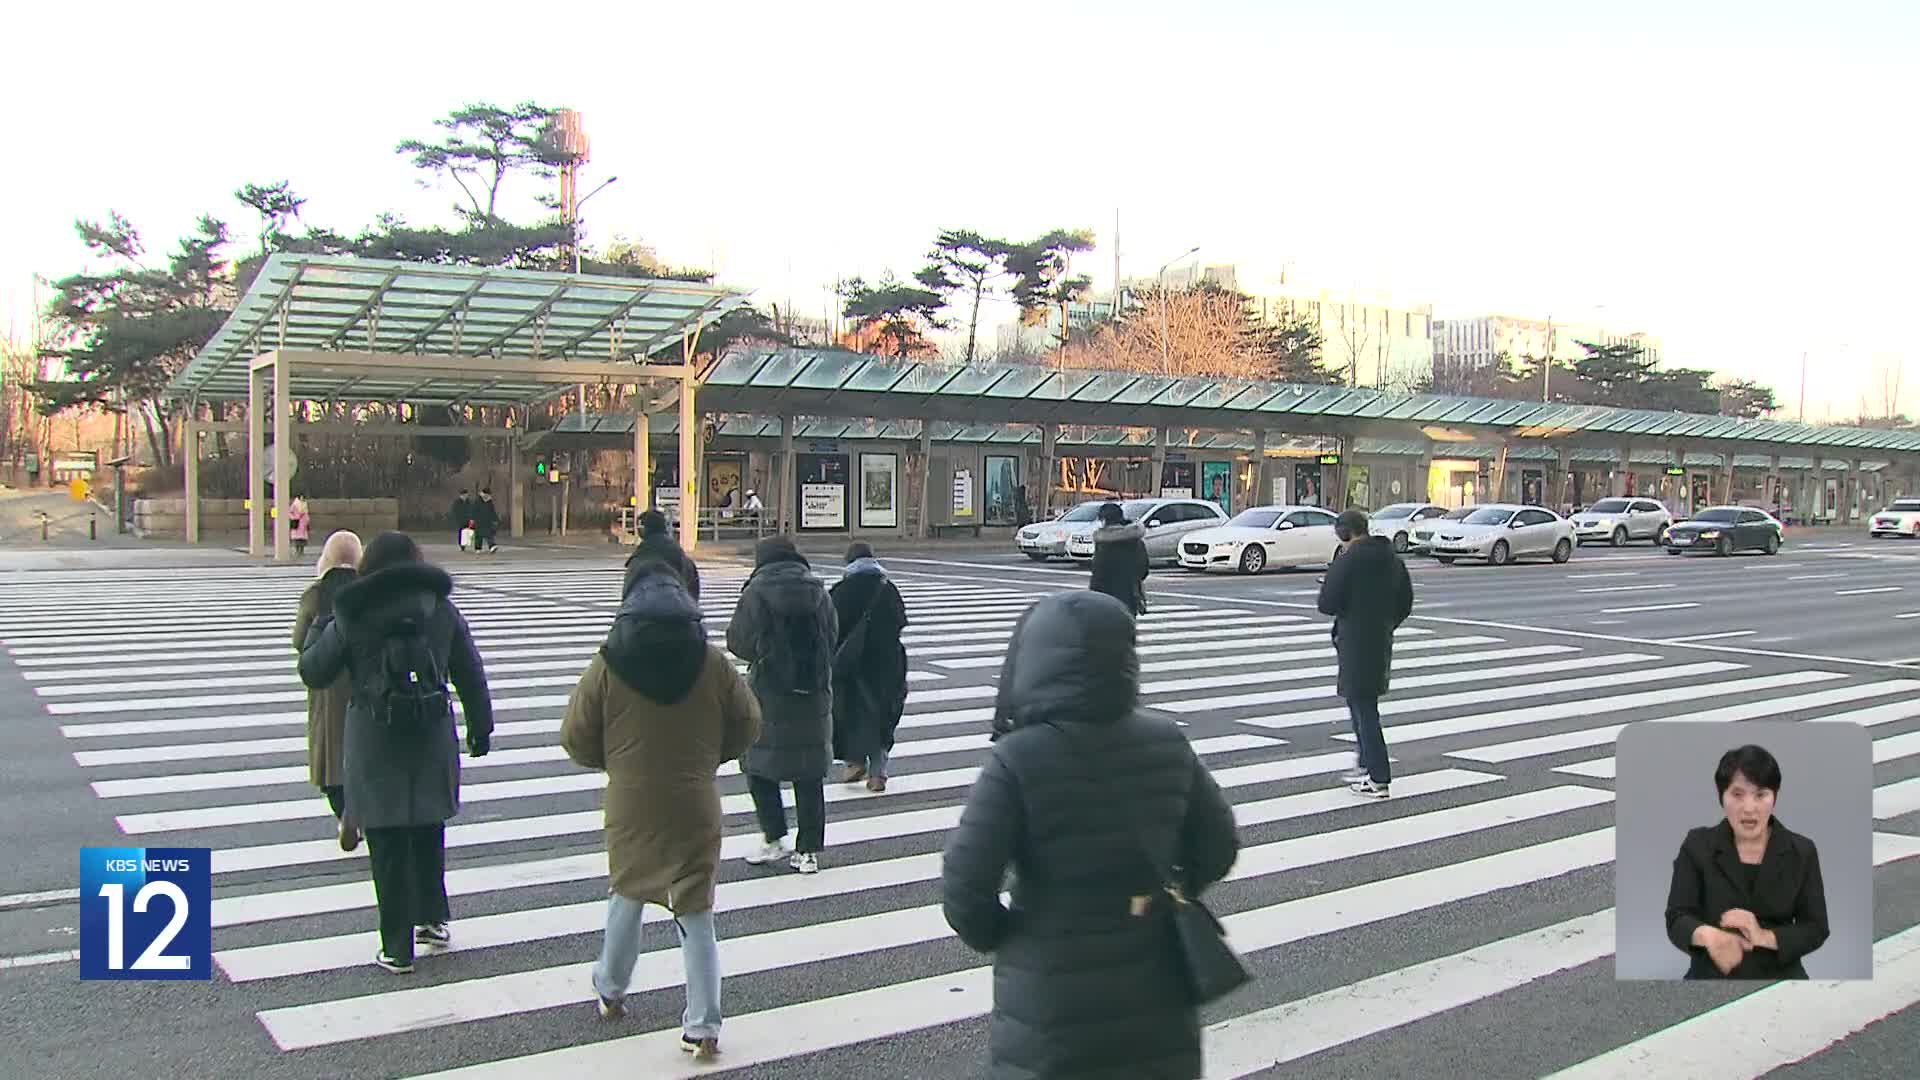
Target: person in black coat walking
[(657, 547), (1087, 983), (460, 515), (1369, 593), (402, 774), (784, 627), (1120, 559), (869, 668), (486, 522)]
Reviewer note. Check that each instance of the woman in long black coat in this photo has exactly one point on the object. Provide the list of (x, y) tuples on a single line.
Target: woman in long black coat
[(1082, 986), (1120, 560), (869, 668)]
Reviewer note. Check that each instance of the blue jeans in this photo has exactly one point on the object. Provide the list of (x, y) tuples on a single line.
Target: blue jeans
[(1372, 741), (699, 952)]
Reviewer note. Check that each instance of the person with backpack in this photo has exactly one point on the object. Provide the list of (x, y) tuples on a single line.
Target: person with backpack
[(869, 668), (1120, 559), (659, 709), (657, 547), (400, 640), (784, 627)]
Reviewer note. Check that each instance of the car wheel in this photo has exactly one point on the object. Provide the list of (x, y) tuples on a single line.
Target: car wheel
[(1253, 560), (1036, 557), (1724, 547), (1400, 543), (1443, 560), (1501, 554), (1660, 536), (1563, 551), (1773, 544), (1620, 536)]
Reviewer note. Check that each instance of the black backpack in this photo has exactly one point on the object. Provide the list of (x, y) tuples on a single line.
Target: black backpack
[(796, 657), (413, 688)]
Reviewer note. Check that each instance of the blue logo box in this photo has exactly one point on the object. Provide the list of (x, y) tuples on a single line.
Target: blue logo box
[(145, 913)]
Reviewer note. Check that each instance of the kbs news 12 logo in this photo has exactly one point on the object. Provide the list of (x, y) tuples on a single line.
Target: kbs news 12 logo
[(144, 913)]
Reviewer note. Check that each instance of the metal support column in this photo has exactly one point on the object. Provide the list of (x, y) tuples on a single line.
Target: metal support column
[(518, 524), (1773, 483), (1262, 490), (642, 458), (1047, 470), (689, 463), (256, 462), (1726, 478), (190, 450), (282, 457), (1856, 472), (1422, 474), (1161, 436), (1621, 471), (1563, 461), (922, 528), (788, 494)]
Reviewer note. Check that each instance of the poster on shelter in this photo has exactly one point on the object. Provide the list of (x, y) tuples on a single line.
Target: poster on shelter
[(963, 495), (1217, 482), (879, 491), (823, 506)]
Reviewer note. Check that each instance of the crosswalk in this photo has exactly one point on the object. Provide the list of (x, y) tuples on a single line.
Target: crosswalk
[(178, 699)]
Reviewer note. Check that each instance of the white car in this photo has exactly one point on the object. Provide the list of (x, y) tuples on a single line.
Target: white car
[(1503, 533), (1045, 540), (1621, 521), (1263, 537), (1398, 522), (1166, 521), (1900, 519)]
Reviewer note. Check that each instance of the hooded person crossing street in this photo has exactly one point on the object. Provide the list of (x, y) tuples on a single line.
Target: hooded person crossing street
[(869, 668), (1369, 593), (1120, 561), (657, 547)]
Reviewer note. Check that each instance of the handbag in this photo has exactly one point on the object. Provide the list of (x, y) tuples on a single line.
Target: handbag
[(1213, 970), (467, 542)]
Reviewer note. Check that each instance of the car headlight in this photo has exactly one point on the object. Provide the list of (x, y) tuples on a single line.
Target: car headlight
[(1708, 534)]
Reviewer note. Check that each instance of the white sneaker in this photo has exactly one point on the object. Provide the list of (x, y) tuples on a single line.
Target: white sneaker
[(766, 853), (1366, 788), (1355, 777), (805, 862)]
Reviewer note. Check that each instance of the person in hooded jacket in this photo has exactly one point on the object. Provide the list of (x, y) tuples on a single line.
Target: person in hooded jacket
[(657, 547), (1120, 559), (1369, 593), (1088, 981), (659, 710), (784, 627), (402, 777), (486, 522), (460, 515), (869, 667), (327, 706)]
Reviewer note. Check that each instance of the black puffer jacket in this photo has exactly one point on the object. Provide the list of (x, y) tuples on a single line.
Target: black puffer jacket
[(1120, 564), (785, 614), (1081, 988), (661, 549), (399, 775), (1369, 593)]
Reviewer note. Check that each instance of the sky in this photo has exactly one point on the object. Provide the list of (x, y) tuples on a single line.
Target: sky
[(1736, 179)]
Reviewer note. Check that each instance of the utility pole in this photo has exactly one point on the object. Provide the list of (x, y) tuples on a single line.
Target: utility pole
[(1546, 369), (1116, 268)]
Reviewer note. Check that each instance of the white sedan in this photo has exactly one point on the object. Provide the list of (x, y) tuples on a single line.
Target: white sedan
[(1501, 534), (1900, 519), (1263, 537), (1398, 521)]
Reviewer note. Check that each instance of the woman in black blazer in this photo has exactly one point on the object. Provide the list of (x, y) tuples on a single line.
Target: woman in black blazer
[(1747, 901)]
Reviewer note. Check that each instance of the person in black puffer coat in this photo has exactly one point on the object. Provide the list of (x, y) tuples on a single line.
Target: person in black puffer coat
[(402, 779), (1120, 559), (1369, 594), (869, 667), (657, 547), (1083, 988)]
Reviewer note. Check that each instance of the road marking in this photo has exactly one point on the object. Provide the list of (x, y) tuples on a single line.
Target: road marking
[(39, 899), (1716, 637), (1608, 574), (38, 959), (1815, 577), (1629, 588), (1623, 639), (1895, 800), (1865, 592), (1770, 1028), (1478, 674), (1647, 607)]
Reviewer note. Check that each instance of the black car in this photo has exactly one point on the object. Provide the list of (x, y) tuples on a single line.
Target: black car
[(1724, 530)]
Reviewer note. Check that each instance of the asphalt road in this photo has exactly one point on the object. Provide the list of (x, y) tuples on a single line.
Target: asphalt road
[(1462, 925)]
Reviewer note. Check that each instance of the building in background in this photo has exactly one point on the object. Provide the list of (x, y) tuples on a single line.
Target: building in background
[(1473, 343)]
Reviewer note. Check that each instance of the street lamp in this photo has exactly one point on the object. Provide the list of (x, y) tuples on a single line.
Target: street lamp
[(574, 216), (1160, 278)]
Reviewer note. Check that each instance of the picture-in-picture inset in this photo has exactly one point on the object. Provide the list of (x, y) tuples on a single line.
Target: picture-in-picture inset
[(1744, 851)]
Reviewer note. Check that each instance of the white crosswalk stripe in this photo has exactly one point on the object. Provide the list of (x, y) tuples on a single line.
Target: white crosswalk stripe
[(182, 711)]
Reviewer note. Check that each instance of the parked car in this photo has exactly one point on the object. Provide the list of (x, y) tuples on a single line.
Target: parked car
[(1622, 521), (1397, 522), (1724, 530), (1166, 521), (1045, 540), (1503, 533), (1423, 533), (1263, 537), (1900, 519)]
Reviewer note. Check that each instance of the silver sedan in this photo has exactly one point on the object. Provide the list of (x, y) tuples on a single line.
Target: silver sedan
[(1504, 533)]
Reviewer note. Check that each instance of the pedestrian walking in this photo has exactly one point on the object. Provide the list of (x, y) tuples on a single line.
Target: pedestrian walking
[(659, 710), (1087, 799), (784, 627), (657, 547), (400, 639), (486, 522), (460, 515), (299, 524), (327, 705), (1369, 593), (869, 668), (1120, 559)]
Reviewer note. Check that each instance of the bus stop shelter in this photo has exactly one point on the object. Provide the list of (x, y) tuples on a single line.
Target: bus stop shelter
[(347, 331)]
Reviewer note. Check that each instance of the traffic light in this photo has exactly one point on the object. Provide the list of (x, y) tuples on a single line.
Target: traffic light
[(540, 467)]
